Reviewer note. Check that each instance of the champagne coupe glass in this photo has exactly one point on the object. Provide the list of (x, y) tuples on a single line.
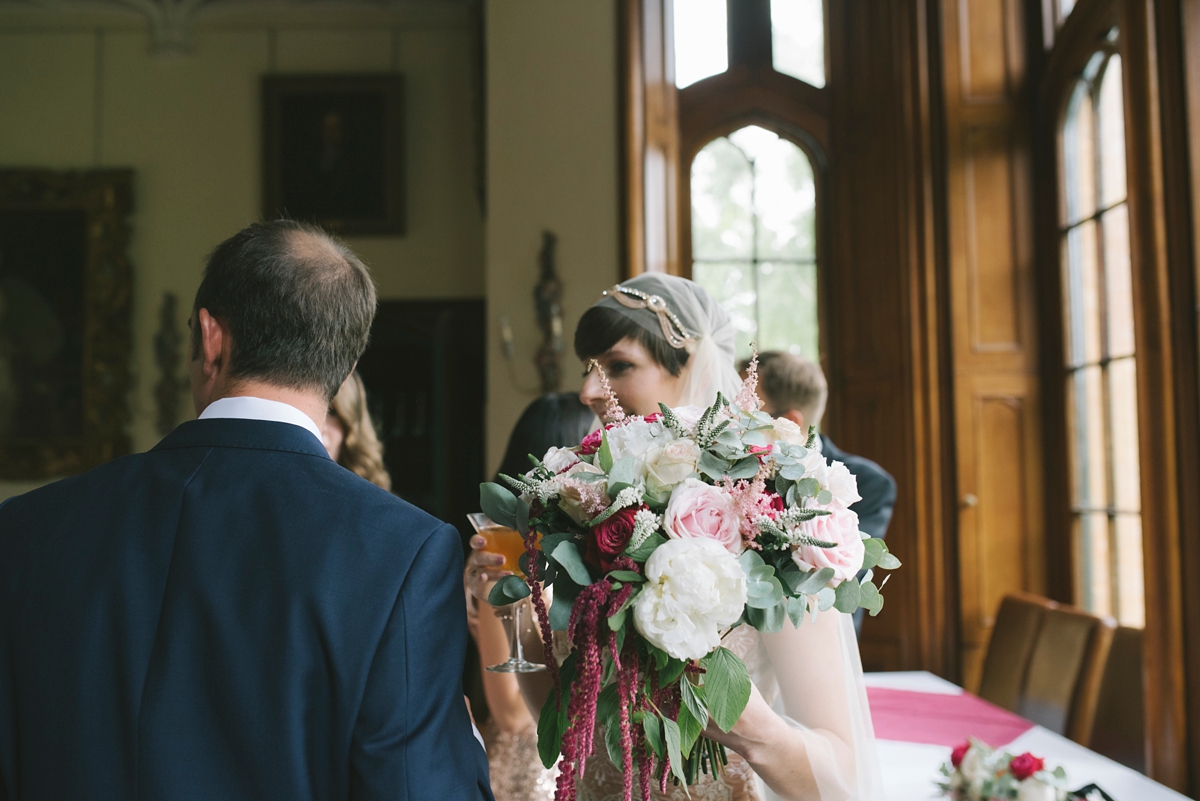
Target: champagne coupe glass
[(511, 545)]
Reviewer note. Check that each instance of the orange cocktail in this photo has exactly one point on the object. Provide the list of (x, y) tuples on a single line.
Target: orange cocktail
[(501, 540)]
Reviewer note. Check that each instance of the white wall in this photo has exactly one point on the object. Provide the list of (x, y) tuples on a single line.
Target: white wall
[(552, 164)]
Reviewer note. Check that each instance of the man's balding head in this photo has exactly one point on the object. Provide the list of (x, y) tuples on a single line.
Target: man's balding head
[(298, 303)]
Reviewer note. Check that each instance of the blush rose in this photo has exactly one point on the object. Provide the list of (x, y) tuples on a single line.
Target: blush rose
[(845, 557), (701, 511)]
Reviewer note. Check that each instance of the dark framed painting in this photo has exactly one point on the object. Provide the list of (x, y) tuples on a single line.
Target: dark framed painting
[(333, 151), (65, 318)]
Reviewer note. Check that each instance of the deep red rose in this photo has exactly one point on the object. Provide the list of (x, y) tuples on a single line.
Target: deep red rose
[(591, 443), (607, 540), (956, 756), (1025, 765), (776, 502)]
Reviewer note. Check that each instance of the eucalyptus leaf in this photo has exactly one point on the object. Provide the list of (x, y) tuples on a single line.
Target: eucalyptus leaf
[(869, 598), (873, 551), (560, 612), (768, 620), (508, 590), (623, 474), (888, 561), (792, 472), (796, 608), (745, 468), (825, 599), (726, 687), (756, 438), (824, 497), (567, 555), (808, 487), (499, 504), (712, 465), (813, 581), (750, 559), (846, 596)]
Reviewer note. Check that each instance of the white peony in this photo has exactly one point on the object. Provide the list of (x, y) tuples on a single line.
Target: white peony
[(557, 460), (1033, 789), (974, 770), (843, 484), (694, 590), (635, 439)]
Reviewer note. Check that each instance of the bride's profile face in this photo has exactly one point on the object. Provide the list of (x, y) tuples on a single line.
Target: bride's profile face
[(640, 382)]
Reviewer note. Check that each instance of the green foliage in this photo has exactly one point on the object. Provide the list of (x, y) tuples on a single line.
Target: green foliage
[(869, 598), (674, 751), (846, 596), (500, 504), (671, 672), (768, 620), (567, 555), (623, 474), (508, 590), (642, 553), (604, 458), (652, 725), (552, 722), (763, 590), (712, 465), (726, 687), (745, 468), (796, 609), (627, 576)]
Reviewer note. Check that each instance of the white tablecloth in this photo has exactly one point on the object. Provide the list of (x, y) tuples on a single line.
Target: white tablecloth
[(910, 770)]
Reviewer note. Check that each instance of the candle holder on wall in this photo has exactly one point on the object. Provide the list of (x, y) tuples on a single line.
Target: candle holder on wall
[(547, 305)]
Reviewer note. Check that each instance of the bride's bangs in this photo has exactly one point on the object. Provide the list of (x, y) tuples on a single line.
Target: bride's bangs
[(600, 328)]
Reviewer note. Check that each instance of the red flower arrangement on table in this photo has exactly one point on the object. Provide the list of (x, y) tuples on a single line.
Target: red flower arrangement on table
[(976, 772), (658, 535)]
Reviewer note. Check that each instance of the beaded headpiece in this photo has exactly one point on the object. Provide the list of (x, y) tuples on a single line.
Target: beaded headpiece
[(676, 334)]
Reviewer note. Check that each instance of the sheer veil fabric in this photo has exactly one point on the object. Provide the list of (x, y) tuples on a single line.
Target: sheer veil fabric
[(811, 675)]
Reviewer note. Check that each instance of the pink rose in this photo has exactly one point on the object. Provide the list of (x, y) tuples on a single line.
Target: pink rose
[(1025, 765), (846, 555), (701, 511)]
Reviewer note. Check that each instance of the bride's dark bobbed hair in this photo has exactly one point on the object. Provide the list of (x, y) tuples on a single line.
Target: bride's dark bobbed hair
[(601, 327)]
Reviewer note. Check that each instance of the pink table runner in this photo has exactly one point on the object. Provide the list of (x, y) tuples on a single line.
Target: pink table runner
[(937, 719)]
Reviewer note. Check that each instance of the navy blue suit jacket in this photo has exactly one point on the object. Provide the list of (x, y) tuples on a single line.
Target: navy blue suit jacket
[(231, 616)]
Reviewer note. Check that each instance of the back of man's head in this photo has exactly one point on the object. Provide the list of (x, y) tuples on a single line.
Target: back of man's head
[(298, 304), (787, 382)]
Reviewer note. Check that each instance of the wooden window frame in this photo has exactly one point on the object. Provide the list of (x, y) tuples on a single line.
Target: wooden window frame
[(1069, 46)]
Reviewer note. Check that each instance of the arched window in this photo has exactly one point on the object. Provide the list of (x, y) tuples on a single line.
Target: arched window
[(754, 238), (1100, 359)]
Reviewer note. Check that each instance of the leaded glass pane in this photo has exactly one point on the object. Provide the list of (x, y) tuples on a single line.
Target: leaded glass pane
[(798, 39), (1111, 131), (701, 40), (754, 238), (1118, 282), (1122, 393), (1079, 155)]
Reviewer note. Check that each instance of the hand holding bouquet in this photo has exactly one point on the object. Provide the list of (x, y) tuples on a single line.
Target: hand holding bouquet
[(658, 535)]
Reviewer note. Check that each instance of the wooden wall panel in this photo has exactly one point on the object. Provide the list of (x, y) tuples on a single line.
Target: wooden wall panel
[(996, 386)]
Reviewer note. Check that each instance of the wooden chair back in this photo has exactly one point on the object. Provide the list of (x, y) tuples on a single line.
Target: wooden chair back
[(1017, 625), (1118, 731), (1062, 682)]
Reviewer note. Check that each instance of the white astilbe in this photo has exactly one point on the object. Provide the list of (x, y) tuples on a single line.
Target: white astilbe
[(645, 523), (626, 497)]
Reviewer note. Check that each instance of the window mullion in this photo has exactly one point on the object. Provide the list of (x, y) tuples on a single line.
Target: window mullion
[(749, 33)]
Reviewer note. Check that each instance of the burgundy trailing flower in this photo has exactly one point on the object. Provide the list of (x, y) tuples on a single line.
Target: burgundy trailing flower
[(1025, 765), (776, 505), (591, 443), (956, 756), (608, 539)]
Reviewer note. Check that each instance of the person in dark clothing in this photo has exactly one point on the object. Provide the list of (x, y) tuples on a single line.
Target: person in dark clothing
[(556, 420), (794, 387)]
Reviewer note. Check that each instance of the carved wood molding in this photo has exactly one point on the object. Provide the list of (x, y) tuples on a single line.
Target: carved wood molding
[(106, 199)]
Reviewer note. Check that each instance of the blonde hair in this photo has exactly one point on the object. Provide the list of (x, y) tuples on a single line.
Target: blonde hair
[(362, 452), (788, 382)]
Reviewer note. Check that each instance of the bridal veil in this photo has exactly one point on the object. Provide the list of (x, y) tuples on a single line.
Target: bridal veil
[(812, 674)]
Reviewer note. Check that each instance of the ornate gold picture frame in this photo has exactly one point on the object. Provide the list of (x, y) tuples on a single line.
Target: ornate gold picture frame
[(65, 320)]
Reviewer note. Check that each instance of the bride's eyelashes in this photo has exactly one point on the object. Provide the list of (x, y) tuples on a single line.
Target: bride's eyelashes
[(618, 368)]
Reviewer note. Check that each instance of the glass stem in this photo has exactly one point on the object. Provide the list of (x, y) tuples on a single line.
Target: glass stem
[(517, 649)]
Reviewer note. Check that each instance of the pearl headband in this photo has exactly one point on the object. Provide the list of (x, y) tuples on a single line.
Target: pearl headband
[(676, 334)]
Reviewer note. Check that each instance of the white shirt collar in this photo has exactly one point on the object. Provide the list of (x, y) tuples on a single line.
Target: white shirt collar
[(246, 407)]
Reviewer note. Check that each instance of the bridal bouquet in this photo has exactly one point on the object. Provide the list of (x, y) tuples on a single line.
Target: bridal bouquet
[(645, 545), (977, 773)]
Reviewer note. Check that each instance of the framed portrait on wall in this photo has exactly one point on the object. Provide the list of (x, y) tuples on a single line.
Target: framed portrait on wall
[(333, 151), (65, 316)]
